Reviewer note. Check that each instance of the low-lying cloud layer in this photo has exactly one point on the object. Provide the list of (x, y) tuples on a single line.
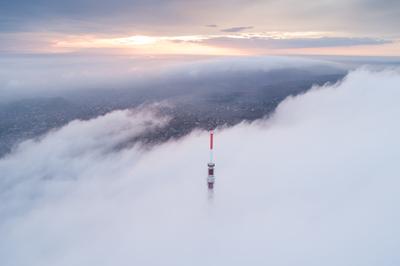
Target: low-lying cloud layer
[(265, 43), (54, 75), (316, 184)]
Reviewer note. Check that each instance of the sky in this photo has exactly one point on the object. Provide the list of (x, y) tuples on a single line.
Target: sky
[(177, 27), (314, 184)]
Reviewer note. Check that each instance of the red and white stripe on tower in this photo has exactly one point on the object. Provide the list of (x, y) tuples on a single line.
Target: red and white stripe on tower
[(211, 139)]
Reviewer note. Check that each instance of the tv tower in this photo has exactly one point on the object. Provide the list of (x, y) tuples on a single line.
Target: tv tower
[(211, 164)]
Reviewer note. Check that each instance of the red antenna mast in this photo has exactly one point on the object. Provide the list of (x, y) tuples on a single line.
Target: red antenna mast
[(211, 139)]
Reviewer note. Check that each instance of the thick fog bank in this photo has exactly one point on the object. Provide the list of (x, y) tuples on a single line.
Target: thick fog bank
[(315, 184)]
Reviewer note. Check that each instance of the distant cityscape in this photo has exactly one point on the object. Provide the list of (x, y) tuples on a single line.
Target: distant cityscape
[(255, 96)]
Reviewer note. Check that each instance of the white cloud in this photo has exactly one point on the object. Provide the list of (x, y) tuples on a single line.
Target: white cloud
[(316, 184)]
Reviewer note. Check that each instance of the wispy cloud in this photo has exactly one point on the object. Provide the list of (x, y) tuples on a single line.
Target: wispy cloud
[(229, 43), (102, 20), (178, 17), (237, 29)]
